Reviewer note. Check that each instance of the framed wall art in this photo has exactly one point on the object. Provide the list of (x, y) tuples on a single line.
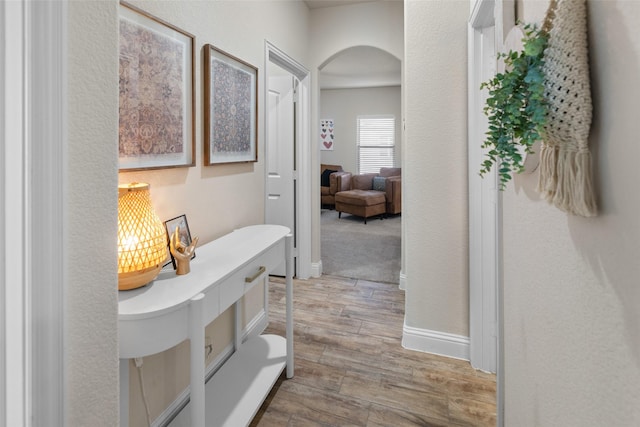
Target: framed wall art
[(156, 78), (326, 134), (231, 109), (184, 233)]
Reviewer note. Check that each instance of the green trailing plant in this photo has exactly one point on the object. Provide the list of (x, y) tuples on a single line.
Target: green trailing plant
[(516, 106)]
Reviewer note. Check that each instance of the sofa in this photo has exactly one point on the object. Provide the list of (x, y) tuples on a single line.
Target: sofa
[(372, 194), (332, 180), (393, 189)]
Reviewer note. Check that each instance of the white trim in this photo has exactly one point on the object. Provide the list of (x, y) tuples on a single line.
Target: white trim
[(482, 14), (255, 327), (3, 299), (15, 332), (46, 128), (505, 17), (33, 112), (435, 342), (303, 141), (316, 269), (483, 210), (402, 281)]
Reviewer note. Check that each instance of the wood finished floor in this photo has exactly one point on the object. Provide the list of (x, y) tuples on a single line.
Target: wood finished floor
[(351, 369)]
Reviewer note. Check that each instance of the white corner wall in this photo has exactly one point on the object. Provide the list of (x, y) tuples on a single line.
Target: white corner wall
[(572, 285), (435, 176), (91, 305)]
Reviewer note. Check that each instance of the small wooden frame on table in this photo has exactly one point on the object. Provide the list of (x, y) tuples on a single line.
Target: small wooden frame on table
[(230, 108), (156, 75), (184, 233)]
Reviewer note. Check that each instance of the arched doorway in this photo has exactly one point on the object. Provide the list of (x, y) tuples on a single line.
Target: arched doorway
[(356, 83)]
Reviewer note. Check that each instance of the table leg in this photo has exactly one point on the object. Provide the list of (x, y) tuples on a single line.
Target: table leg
[(124, 392), (196, 336), (237, 325), (289, 298)]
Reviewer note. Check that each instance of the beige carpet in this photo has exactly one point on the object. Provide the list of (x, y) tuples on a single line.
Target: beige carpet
[(353, 249)]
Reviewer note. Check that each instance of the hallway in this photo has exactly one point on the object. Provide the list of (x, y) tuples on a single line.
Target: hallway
[(352, 370)]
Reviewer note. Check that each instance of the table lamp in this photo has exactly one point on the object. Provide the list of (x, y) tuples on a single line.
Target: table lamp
[(142, 242)]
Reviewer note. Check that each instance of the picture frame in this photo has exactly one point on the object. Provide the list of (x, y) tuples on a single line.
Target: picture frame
[(326, 134), (156, 89), (230, 108), (185, 234)]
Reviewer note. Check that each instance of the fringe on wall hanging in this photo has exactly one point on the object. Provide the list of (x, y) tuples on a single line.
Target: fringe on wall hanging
[(565, 161)]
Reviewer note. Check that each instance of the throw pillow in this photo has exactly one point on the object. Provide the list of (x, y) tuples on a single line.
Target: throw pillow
[(379, 183), (324, 178)]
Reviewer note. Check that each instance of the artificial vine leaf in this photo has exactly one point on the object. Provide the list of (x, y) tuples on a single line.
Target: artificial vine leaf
[(516, 107)]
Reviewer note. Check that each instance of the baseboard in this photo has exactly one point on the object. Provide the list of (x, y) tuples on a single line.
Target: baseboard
[(316, 269), (441, 343), (255, 327), (403, 281)]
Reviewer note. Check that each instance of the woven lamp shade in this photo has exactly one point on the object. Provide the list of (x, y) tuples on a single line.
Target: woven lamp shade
[(142, 242)]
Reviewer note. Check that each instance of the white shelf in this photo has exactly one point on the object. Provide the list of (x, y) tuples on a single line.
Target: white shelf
[(175, 308), (236, 392)]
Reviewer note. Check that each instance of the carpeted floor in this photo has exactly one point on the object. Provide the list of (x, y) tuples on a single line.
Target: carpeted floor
[(353, 249)]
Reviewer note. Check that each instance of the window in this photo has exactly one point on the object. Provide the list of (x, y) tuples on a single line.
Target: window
[(376, 143)]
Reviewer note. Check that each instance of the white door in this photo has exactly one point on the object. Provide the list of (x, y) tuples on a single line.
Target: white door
[(280, 205)]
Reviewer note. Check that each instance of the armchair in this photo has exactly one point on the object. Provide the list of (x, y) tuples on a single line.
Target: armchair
[(332, 180)]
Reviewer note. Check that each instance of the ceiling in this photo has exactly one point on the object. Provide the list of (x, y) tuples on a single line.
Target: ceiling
[(317, 4), (357, 67), (361, 66)]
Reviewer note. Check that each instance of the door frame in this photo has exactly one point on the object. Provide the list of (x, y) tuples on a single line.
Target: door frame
[(33, 122), (483, 198), (485, 213), (303, 152), (485, 207)]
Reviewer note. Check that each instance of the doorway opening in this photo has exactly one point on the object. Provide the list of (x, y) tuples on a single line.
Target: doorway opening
[(357, 83), (288, 155)]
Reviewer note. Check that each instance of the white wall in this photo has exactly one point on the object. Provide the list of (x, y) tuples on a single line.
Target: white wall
[(216, 199), (344, 106), (209, 196), (571, 285), (332, 30), (435, 172), (91, 306)]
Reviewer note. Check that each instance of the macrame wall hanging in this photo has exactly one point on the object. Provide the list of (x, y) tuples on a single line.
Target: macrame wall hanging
[(565, 161)]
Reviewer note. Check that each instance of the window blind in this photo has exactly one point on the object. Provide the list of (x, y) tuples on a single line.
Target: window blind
[(376, 143)]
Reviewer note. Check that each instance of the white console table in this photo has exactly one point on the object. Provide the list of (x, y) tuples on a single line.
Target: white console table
[(174, 308)]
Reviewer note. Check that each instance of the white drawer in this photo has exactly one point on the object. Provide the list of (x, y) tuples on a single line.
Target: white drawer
[(142, 337), (240, 282)]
